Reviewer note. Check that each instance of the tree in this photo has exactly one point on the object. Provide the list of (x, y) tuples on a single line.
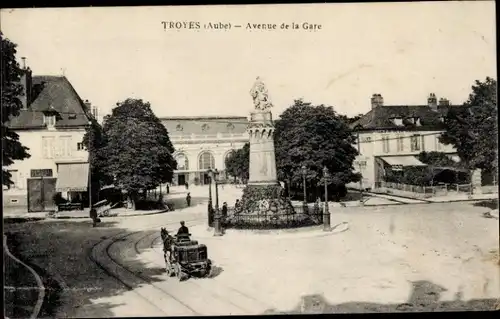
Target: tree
[(12, 149), (350, 120), (436, 159), (314, 137), (138, 151), (94, 141), (472, 129), (237, 163)]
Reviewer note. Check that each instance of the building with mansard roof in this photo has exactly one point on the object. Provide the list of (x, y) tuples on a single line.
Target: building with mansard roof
[(51, 123), (391, 136), (202, 143)]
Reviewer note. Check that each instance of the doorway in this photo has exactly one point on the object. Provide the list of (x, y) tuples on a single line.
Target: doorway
[(206, 178), (181, 179)]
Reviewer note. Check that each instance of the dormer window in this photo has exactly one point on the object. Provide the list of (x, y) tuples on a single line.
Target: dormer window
[(417, 122), (49, 120), (72, 116), (398, 121), (178, 128), (204, 127), (230, 126)]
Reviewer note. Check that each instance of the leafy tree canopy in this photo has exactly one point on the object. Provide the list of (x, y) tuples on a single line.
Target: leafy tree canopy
[(12, 149), (472, 129), (436, 159), (138, 151), (237, 163), (94, 141), (314, 137)]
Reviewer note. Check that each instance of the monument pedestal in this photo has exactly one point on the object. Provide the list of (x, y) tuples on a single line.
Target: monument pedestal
[(262, 159), (263, 194)]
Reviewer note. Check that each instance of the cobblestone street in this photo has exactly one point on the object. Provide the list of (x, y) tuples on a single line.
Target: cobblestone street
[(117, 269)]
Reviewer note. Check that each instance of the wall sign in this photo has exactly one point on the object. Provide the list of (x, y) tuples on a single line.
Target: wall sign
[(41, 173)]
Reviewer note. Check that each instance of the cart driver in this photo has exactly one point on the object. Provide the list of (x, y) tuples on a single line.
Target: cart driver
[(183, 230)]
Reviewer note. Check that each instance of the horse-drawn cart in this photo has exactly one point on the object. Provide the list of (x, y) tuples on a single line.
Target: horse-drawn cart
[(184, 257)]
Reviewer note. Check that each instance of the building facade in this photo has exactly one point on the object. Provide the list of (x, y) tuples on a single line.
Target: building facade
[(51, 125), (203, 143), (393, 136)]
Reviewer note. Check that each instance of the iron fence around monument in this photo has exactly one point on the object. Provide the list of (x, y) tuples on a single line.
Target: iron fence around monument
[(294, 219)]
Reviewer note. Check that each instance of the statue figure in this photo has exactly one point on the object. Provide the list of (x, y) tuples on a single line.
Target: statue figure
[(260, 96)]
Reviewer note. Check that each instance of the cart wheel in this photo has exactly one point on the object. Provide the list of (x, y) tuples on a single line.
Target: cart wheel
[(180, 275), (208, 271)]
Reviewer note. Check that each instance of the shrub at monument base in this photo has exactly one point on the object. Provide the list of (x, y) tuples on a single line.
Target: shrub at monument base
[(265, 207)]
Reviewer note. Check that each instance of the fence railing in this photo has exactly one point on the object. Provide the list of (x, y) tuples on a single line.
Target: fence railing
[(436, 190), (298, 217)]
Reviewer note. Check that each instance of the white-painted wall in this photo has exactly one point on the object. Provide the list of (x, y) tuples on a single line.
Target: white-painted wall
[(33, 139), (372, 146)]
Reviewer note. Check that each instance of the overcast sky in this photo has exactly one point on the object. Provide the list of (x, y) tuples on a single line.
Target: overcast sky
[(403, 51)]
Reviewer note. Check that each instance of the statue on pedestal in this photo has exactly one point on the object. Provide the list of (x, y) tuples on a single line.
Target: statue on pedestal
[(260, 96)]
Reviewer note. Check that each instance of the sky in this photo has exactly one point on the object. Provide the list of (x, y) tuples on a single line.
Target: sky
[(403, 51)]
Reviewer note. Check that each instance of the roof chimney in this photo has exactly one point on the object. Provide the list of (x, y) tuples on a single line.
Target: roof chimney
[(26, 82), (377, 100), (88, 106), (24, 62), (432, 101), (444, 102)]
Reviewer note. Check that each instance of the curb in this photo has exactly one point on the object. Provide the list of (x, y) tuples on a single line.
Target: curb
[(117, 216), (312, 232), (27, 219), (41, 288), (426, 201)]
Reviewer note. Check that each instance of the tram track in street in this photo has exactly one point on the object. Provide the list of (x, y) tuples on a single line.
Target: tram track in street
[(125, 270), (208, 293), (152, 246)]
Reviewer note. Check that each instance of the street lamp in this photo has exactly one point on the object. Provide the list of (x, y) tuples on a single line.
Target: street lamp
[(217, 221), (210, 209), (216, 174), (90, 163), (304, 172), (326, 211)]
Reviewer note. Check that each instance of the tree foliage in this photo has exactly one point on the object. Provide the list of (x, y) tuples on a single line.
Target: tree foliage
[(314, 137), (94, 142), (436, 159), (12, 149), (237, 163), (137, 151), (350, 120), (472, 129)]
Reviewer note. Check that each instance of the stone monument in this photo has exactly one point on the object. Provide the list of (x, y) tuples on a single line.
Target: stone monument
[(261, 130), (263, 194)]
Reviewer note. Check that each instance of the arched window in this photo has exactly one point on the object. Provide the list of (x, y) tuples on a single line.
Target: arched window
[(227, 155), (206, 161), (182, 162)]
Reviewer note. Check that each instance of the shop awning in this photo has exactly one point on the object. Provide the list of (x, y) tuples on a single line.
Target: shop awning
[(403, 161), (72, 177)]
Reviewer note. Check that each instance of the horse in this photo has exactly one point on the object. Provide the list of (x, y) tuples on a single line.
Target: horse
[(167, 241)]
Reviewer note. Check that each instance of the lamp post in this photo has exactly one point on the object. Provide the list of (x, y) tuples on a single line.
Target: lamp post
[(210, 216), (304, 172), (217, 222), (326, 211), (90, 164)]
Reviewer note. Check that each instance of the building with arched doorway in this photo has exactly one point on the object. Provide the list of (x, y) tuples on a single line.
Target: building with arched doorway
[(202, 143)]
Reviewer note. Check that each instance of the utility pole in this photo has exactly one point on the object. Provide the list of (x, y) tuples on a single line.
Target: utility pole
[(90, 164)]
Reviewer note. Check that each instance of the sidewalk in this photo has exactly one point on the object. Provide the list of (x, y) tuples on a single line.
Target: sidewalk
[(407, 199), (80, 214)]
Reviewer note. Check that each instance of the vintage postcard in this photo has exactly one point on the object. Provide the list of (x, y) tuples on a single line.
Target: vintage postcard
[(250, 159)]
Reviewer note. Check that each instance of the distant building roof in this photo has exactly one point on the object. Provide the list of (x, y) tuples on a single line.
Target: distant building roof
[(57, 95), (382, 117), (200, 125)]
